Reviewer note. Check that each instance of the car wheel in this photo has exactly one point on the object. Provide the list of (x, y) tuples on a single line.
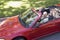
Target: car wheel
[(19, 38)]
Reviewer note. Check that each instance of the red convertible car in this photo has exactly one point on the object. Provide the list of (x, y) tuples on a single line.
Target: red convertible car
[(30, 25)]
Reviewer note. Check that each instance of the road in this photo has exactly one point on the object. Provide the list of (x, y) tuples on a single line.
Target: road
[(55, 36)]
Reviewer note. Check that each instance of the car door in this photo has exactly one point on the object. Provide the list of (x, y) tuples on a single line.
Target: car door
[(57, 22), (44, 29)]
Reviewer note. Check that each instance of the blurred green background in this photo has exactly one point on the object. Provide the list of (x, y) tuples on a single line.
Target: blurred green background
[(15, 7)]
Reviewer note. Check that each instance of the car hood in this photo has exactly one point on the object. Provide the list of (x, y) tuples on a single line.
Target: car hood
[(10, 25)]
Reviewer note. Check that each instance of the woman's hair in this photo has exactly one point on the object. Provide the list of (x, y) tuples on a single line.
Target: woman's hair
[(45, 10)]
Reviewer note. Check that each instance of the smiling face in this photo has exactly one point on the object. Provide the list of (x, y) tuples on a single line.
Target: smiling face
[(45, 14)]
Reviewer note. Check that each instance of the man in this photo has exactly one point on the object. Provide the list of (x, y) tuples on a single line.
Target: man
[(55, 13)]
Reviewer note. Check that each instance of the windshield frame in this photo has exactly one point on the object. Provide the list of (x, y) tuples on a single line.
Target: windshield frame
[(32, 24)]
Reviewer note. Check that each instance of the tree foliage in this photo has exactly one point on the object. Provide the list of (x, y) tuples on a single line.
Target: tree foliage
[(6, 10)]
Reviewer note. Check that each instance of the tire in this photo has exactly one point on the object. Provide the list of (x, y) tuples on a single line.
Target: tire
[(19, 38)]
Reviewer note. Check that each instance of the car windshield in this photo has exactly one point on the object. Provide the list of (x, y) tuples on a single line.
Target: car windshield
[(28, 18)]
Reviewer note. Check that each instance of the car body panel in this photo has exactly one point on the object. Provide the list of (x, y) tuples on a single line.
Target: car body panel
[(57, 4)]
